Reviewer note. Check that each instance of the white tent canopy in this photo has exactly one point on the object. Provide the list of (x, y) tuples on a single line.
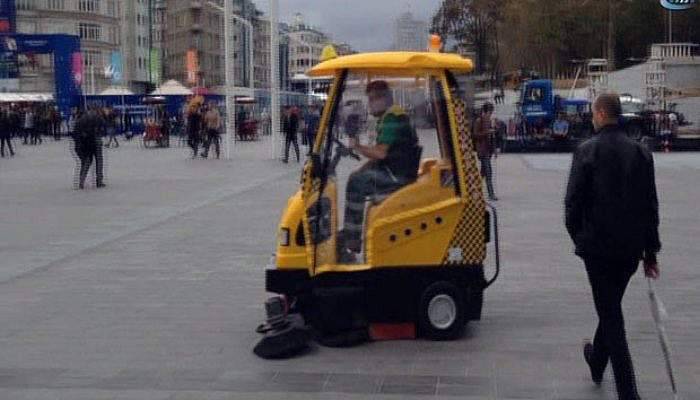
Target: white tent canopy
[(116, 91), (25, 97), (171, 88)]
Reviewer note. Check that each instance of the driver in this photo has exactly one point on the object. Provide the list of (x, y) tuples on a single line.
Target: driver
[(393, 160)]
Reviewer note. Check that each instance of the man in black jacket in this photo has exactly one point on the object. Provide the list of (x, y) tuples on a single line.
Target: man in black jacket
[(612, 217), (88, 145)]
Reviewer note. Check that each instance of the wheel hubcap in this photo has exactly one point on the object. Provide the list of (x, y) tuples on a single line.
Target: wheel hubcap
[(442, 311)]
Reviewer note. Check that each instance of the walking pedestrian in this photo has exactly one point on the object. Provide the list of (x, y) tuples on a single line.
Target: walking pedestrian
[(56, 123), (5, 133), (194, 126), (290, 125), (28, 125), (612, 217), (484, 138), (110, 123), (312, 121), (212, 124), (88, 146)]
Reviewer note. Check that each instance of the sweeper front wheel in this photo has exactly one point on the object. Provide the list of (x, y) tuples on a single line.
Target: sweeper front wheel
[(441, 311)]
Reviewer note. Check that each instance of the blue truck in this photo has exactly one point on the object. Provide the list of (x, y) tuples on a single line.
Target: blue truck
[(544, 117)]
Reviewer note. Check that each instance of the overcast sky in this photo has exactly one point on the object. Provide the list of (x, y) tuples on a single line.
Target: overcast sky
[(365, 24)]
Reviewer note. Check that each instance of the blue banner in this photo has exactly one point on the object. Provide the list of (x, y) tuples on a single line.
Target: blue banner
[(8, 15)]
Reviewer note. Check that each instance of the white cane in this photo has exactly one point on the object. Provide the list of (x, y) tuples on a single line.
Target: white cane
[(659, 313)]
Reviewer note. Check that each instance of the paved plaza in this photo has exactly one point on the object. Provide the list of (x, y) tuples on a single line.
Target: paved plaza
[(151, 288)]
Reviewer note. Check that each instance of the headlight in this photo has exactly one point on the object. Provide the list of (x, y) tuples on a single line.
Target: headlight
[(284, 237)]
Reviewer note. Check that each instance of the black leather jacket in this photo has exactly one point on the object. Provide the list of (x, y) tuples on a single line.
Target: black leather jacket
[(611, 203)]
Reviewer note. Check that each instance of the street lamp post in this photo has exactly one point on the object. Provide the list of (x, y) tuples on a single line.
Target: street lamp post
[(274, 74), (229, 76)]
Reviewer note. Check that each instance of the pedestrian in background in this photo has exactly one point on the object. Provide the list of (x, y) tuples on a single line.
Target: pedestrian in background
[(484, 141), (28, 125), (312, 120), (56, 123), (212, 124), (194, 127), (110, 123), (290, 125), (6, 132), (612, 217), (88, 146)]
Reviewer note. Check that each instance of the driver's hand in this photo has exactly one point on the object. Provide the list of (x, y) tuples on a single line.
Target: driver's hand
[(353, 142)]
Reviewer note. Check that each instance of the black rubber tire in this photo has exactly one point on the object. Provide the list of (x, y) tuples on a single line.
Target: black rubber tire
[(425, 328)]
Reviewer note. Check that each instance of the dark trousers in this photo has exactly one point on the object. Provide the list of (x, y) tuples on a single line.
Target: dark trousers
[(56, 130), (3, 140), (86, 154), (212, 137), (289, 139), (36, 137), (362, 183), (193, 142), (487, 173), (26, 132), (609, 279), (112, 132)]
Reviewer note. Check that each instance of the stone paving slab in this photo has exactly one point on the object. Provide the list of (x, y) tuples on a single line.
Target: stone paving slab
[(151, 289)]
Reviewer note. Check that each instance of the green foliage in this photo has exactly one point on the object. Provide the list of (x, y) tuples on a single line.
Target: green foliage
[(548, 34)]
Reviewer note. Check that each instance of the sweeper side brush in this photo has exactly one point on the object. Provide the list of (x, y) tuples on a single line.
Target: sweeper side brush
[(285, 335)]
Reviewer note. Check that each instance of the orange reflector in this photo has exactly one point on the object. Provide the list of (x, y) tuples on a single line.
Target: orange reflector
[(392, 331)]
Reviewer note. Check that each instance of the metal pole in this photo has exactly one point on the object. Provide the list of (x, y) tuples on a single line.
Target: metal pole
[(274, 72), (229, 76), (251, 64), (308, 78)]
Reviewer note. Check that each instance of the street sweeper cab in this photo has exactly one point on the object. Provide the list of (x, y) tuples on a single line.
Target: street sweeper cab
[(387, 234)]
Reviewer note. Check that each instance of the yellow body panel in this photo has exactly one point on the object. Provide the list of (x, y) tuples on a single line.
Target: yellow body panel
[(403, 230), (402, 63), (292, 256)]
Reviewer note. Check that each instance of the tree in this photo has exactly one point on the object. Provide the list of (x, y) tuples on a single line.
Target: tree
[(474, 24)]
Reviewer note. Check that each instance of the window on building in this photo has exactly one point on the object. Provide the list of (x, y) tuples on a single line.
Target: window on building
[(25, 4), (112, 9), (113, 36), (56, 4), (89, 31), (92, 58), (89, 5)]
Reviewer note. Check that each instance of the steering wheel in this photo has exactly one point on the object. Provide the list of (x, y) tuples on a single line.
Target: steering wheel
[(344, 150)]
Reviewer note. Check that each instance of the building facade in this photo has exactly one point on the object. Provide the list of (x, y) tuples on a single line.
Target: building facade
[(410, 34), (97, 22), (138, 17), (198, 26)]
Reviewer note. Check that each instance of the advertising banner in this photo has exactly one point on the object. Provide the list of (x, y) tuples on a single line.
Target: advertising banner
[(192, 67), (155, 67), (77, 68), (116, 68)]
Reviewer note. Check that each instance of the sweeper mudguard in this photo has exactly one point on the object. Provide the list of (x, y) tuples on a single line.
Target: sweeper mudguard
[(332, 302)]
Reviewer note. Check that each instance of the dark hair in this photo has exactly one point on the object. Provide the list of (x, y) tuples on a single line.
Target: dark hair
[(487, 107), (609, 103), (378, 86)]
